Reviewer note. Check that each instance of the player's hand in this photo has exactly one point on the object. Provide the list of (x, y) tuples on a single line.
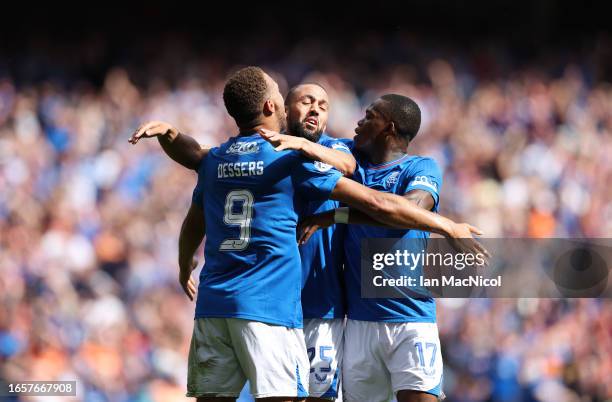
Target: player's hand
[(153, 129), (461, 238), (187, 282), (282, 142), (311, 224)]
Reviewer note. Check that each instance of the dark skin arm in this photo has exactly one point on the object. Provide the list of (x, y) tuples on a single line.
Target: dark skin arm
[(393, 211), (190, 238), (184, 150), (181, 148), (342, 161), (420, 198)]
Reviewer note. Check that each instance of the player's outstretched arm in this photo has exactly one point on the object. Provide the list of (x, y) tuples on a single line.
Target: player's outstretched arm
[(396, 211), (354, 216), (192, 234), (389, 209), (342, 161), (420, 198), (181, 148)]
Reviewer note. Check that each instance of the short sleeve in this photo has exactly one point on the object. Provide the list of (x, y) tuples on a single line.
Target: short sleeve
[(338, 145), (425, 175), (348, 143), (314, 180)]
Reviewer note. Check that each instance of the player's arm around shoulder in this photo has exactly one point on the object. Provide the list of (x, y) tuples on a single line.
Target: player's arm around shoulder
[(180, 147), (419, 183), (336, 154), (420, 198), (396, 211), (390, 210), (355, 216)]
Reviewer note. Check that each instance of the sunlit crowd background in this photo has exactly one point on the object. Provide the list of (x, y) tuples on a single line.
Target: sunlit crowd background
[(89, 223)]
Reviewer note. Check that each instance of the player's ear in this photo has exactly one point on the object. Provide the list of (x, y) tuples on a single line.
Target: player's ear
[(269, 108), (390, 129)]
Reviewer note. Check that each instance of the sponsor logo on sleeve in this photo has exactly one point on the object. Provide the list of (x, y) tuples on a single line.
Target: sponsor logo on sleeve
[(424, 181)]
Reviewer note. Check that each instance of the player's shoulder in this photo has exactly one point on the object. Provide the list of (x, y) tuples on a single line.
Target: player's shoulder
[(335, 143), (252, 145), (347, 141), (240, 145), (329, 139), (421, 170), (422, 163)]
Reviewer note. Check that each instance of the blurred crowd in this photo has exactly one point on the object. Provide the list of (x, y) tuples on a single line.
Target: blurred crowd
[(89, 223)]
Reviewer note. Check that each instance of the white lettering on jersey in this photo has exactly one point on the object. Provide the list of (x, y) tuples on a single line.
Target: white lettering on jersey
[(424, 181), (240, 169), (243, 148)]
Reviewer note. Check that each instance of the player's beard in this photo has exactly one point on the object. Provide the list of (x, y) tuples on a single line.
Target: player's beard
[(299, 129)]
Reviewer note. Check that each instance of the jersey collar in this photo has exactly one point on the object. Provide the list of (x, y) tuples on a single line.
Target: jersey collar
[(388, 164)]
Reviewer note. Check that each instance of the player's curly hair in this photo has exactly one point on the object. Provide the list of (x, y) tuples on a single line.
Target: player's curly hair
[(244, 94), (405, 113)]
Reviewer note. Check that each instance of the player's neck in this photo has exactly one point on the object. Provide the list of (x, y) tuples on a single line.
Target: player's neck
[(250, 130), (386, 155)]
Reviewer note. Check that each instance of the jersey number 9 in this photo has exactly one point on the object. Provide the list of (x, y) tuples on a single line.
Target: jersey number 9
[(241, 218)]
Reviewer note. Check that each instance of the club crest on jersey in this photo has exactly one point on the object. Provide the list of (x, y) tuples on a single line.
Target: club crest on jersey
[(243, 148), (391, 179), (424, 181), (322, 167)]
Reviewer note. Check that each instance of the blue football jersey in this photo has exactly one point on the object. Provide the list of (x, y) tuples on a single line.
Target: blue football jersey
[(322, 258), (252, 265), (398, 177)]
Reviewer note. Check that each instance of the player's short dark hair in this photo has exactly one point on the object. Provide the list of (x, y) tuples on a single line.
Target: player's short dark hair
[(405, 114), (244, 94), (294, 88)]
